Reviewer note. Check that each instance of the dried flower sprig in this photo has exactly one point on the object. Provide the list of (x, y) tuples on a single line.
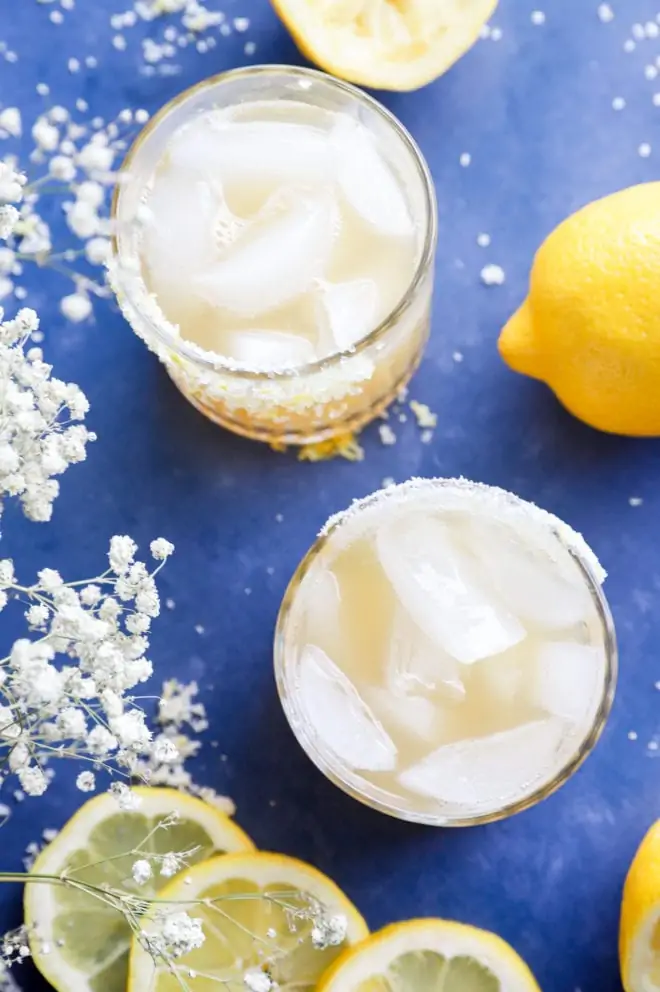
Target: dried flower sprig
[(75, 162), (65, 693), (41, 433), (165, 928)]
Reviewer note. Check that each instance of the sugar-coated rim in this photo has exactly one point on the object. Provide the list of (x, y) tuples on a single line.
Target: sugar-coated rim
[(593, 575), (218, 363)]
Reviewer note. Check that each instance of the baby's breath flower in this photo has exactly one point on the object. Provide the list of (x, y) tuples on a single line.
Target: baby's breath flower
[(161, 549), (76, 307), (170, 865), (141, 872), (127, 799), (33, 781), (329, 931), (258, 981), (37, 615), (121, 554), (164, 751), (86, 781), (177, 934)]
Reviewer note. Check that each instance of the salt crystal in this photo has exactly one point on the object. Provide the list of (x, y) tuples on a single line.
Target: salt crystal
[(492, 275)]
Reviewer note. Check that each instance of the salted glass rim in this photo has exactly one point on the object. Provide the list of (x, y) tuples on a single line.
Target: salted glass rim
[(217, 363), (369, 796)]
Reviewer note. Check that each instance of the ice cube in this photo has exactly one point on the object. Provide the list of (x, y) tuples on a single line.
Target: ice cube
[(413, 715), (435, 586), (527, 580), (342, 720), (566, 679), (275, 260), (177, 238), (366, 179), (348, 312), (248, 151), (487, 771), (321, 596), (415, 662), (502, 677), (267, 350)]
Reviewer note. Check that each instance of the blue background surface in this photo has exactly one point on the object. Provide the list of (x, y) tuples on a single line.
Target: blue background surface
[(534, 111)]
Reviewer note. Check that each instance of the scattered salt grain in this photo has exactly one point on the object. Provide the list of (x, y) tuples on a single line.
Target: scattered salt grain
[(279, 517), (656, 99), (632, 735), (638, 32), (73, 65), (653, 745), (423, 414), (241, 24), (387, 482), (199, 629), (56, 16), (651, 29), (495, 34), (170, 604), (457, 356), (483, 240), (644, 150), (465, 159), (629, 45), (492, 275), (537, 17), (605, 13), (250, 48), (650, 72), (618, 103), (635, 501)]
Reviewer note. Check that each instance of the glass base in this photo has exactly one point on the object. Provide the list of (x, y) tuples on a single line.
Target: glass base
[(296, 428)]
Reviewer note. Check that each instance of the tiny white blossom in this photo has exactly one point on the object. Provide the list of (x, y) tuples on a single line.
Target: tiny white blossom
[(76, 307), (257, 981), (45, 134), (329, 931), (10, 121), (170, 865), (86, 781), (7, 577), (141, 871), (128, 800), (9, 217), (10, 727), (164, 751), (178, 934), (101, 742), (121, 554), (161, 549), (33, 781), (37, 615), (62, 167), (50, 580), (97, 250)]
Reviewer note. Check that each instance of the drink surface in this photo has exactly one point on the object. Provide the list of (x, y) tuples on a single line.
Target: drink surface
[(276, 233), (447, 657)]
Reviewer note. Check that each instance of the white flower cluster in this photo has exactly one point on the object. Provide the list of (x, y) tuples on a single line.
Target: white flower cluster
[(167, 864), (78, 160), (37, 439), (79, 707), (175, 934), (329, 931)]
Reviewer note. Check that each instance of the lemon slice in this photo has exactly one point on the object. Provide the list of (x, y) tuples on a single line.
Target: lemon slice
[(89, 941), (422, 955), (639, 940), (385, 44), (250, 902)]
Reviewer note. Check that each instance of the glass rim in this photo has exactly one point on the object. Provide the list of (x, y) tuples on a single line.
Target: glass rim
[(216, 364), (306, 740)]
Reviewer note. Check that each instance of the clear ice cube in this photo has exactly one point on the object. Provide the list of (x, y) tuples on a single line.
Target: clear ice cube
[(267, 350), (366, 179), (178, 234), (566, 678), (342, 720), (321, 596), (526, 580), (502, 677), (487, 771), (415, 663), (248, 151), (412, 715), (434, 585), (348, 312), (276, 259)]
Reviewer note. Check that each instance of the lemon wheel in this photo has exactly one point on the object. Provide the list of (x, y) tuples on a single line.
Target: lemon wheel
[(250, 906), (89, 941), (639, 942), (430, 954)]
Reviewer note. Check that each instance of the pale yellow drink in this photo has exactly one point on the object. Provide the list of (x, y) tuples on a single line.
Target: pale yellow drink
[(445, 653), (275, 232)]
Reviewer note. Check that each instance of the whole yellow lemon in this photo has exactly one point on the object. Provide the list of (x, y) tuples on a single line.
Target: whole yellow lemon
[(590, 326)]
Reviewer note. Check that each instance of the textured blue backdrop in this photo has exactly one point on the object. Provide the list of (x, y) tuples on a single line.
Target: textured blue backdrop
[(534, 111)]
